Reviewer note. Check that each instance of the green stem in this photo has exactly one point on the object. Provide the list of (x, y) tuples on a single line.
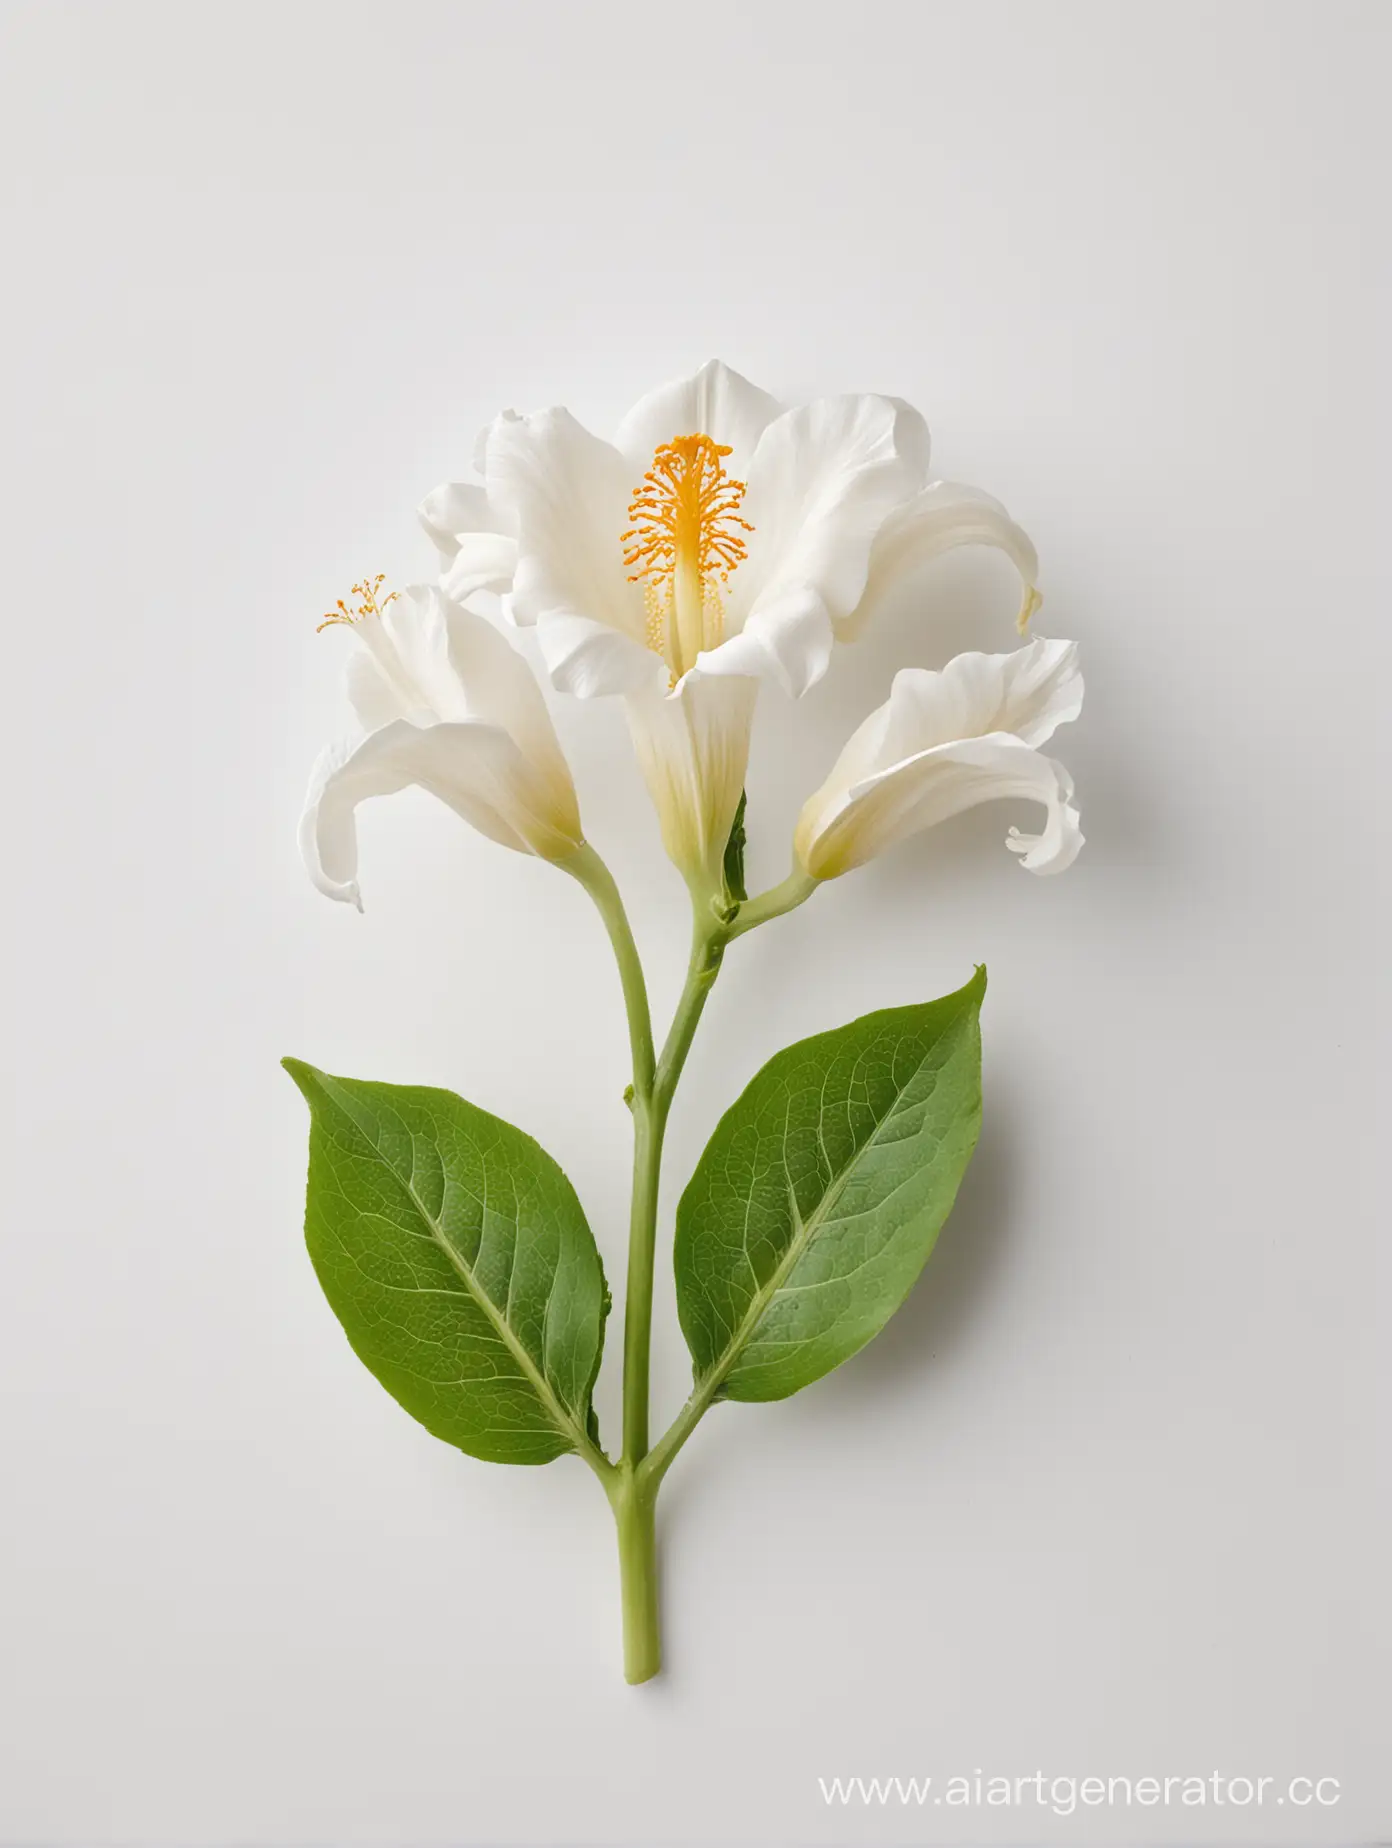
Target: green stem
[(660, 1458), (650, 1125), (632, 1497), (633, 1504), (632, 1484), (708, 939), (586, 866), (786, 896)]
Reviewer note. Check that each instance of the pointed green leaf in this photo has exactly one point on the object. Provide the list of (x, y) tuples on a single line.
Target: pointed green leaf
[(822, 1191), (455, 1254)]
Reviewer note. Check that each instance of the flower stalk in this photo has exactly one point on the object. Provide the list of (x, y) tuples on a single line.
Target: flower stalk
[(632, 1483)]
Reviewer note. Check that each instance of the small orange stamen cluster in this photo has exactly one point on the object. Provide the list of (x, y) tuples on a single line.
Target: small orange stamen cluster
[(367, 604), (685, 513)]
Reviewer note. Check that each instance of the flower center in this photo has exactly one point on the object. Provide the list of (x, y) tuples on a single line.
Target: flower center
[(367, 604), (684, 543)]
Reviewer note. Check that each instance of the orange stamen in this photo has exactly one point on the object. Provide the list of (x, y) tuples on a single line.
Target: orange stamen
[(367, 605), (686, 527)]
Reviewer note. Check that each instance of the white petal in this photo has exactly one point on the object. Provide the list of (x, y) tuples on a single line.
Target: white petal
[(411, 646), (1030, 692), (481, 561), (788, 641), (917, 793), (944, 515), (328, 836), (565, 494), (455, 507), (944, 741), (822, 482), (404, 665), (399, 666), (1042, 688), (714, 402), (375, 698), (588, 658), (1062, 840), (692, 746), (500, 688), (476, 769)]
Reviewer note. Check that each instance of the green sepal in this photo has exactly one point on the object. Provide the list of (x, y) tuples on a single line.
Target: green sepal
[(733, 870)]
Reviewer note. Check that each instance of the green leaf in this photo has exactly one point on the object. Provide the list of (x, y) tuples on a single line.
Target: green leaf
[(455, 1254), (734, 855), (822, 1192)]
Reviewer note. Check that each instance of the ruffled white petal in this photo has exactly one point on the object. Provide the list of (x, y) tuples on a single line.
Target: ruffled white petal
[(714, 402), (692, 746), (789, 641), (1029, 692), (822, 481), (944, 742), (1062, 840), (587, 658), (942, 516), (565, 494), (452, 509), (918, 793), (481, 561), (474, 768)]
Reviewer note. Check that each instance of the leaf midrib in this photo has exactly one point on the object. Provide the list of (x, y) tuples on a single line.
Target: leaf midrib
[(805, 1231), (538, 1380)]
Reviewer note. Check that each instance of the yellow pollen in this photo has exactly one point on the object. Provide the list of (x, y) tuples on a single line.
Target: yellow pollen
[(685, 540), (367, 604)]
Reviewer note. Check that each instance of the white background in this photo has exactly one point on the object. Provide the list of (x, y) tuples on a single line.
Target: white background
[(1106, 1497)]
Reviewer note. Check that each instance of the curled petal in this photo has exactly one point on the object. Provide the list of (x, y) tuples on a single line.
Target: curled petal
[(481, 561), (944, 515), (475, 768), (452, 509), (587, 658), (714, 402), (1058, 846), (834, 835), (787, 640), (1029, 692), (692, 746), (822, 481), (944, 742)]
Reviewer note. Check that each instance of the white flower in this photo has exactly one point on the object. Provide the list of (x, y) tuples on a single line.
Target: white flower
[(720, 540), (446, 703), (944, 742)]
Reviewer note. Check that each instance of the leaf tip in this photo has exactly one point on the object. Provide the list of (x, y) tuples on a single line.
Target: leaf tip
[(304, 1075)]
